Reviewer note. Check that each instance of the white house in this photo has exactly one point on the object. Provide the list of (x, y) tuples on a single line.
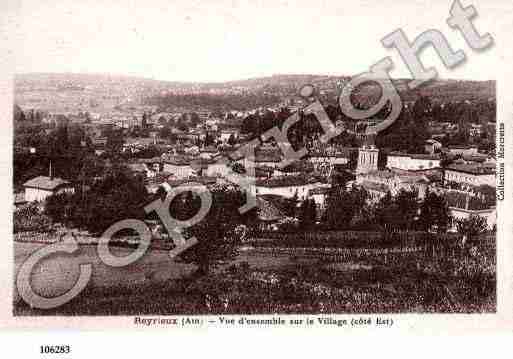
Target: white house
[(472, 174), (178, 166), (40, 188), (380, 182), (490, 214), (319, 195), (287, 186), (412, 162), (463, 150)]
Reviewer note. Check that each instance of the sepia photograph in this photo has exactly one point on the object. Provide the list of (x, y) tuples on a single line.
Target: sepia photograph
[(255, 158)]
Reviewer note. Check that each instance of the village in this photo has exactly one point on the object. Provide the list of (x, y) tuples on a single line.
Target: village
[(462, 174), (426, 187)]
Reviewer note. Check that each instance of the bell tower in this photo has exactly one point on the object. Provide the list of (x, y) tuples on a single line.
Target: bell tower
[(367, 159)]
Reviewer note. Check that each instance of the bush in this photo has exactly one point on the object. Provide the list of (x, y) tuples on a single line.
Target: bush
[(30, 218)]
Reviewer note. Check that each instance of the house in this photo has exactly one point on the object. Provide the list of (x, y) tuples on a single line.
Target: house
[(227, 134), (475, 129), (463, 205), (287, 186), (324, 161), (208, 152), (380, 182), (267, 157), (145, 168), (490, 214), (463, 150), (319, 195), (268, 214), (19, 200), (412, 162), (375, 190), (178, 166), (190, 182), (153, 164), (432, 146), (470, 174), (41, 187)]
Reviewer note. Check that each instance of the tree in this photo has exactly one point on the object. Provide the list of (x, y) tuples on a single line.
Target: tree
[(307, 214), (341, 207), (397, 212), (434, 213), (291, 205), (114, 143), (182, 126), (407, 207), (216, 235), (231, 140), (249, 125), (472, 226), (165, 132), (422, 107), (238, 168), (118, 196), (58, 207), (385, 212)]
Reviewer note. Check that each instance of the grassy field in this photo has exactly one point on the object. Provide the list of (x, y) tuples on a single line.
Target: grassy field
[(269, 281)]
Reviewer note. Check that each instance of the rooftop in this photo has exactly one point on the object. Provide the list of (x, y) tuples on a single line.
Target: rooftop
[(285, 181), (475, 169), (46, 183), (415, 155), (204, 180)]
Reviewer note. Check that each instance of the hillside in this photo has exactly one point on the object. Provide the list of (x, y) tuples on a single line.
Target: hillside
[(62, 92)]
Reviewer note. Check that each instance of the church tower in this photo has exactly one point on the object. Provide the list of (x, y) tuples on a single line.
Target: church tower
[(367, 159)]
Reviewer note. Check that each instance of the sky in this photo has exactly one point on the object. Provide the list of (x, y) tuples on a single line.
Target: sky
[(221, 40)]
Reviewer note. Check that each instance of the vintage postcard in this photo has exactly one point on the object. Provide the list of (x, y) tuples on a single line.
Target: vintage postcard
[(187, 164)]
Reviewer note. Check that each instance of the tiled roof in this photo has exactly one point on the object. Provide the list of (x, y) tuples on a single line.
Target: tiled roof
[(460, 200), (285, 181), (47, 183), (139, 140), (475, 169), (202, 180), (475, 158), (415, 155), (177, 160)]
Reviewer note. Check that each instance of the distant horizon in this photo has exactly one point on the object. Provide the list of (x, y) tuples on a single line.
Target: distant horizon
[(142, 77)]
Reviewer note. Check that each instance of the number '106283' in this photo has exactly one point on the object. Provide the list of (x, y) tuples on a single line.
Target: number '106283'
[(55, 349)]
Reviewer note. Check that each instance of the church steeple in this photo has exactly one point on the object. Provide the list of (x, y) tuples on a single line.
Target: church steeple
[(367, 159)]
